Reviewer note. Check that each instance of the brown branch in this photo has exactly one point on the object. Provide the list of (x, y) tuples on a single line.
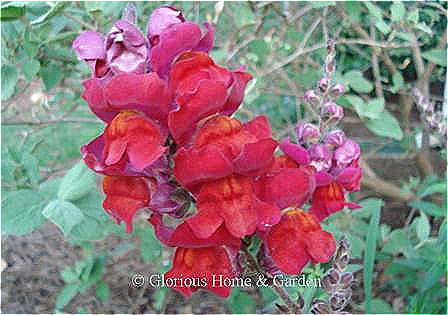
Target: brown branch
[(382, 187)]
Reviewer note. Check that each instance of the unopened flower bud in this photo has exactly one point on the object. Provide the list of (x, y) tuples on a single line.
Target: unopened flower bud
[(321, 307), (126, 48), (333, 112), (338, 300), (333, 276), (307, 133), (348, 152), (129, 14), (323, 84), (346, 280), (160, 19), (335, 138), (337, 90), (311, 97), (320, 156)]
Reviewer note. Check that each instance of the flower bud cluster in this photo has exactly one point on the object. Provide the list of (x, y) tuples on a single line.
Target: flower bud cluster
[(433, 119), (337, 283)]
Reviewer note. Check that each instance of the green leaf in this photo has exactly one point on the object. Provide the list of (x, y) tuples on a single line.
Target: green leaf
[(380, 306), (383, 27), (94, 5), (321, 4), (69, 274), (150, 248), (77, 182), (31, 165), (54, 10), (369, 254), (21, 212), (9, 81), (423, 227), (436, 56), (397, 11), (371, 109), (12, 11), (398, 82), (398, 242), (50, 75), (30, 68), (64, 214), (241, 303), (386, 125), (66, 295), (438, 187), (245, 14), (357, 82), (413, 17), (102, 290), (374, 10), (429, 208)]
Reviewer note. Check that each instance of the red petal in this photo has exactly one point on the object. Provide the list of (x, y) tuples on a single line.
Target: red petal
[(202, 263), (144, 92), (124, 197), (320, 245), (207, 100), (230, 198), (196, 165)]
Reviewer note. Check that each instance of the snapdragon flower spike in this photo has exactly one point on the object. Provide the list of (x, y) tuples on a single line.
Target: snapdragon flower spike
[(170, 35), (125, 195), (130, 143), (232, 201), (201, 88), (146, 93), (202, 263), (223, 146), (297, 239)]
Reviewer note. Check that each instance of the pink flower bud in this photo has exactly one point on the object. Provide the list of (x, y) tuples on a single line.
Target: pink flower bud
[(333, 112), (311, 97), (320, 156), (323, 84), (337, 90), (126, 48), (307, 133), (348, 152), (129, 14), (335, 138)]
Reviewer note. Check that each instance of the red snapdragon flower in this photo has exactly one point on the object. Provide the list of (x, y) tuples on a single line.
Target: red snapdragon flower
[(170, 35), (125, 195), (203, 263), (231, 201), (223, 146), (146, 93), (201, 88), (297, 239), (287, 184), (329, 199), (130, 142), (183, 236)]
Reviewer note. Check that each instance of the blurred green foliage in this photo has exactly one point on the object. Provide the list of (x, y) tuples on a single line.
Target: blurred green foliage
[(45, 121)]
